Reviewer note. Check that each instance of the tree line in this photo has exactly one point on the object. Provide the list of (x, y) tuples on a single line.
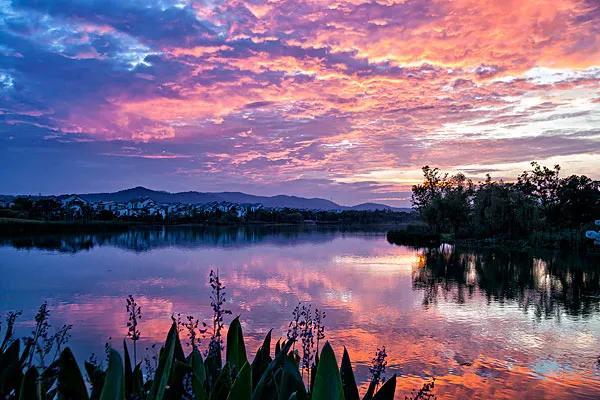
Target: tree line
[(538, 200), (51, 209)]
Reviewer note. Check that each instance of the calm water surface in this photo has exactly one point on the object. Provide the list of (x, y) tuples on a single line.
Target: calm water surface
[(486, 325)]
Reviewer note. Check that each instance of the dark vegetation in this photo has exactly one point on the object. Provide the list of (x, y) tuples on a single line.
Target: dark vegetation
[(298, 216), (45, 215), (540, 208), (15, 227), (40, 366)]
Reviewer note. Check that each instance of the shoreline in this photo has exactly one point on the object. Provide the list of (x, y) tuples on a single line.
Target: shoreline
[(18, 227), (565, 240)]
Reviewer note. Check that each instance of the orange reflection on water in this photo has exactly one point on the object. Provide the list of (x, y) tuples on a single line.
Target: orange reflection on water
[(479, 341)]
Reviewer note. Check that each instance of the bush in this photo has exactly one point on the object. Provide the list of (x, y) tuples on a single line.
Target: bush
[(414, 235)]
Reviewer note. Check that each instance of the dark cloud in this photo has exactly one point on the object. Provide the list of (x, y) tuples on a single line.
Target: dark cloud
[(155, 22), (288, 96)]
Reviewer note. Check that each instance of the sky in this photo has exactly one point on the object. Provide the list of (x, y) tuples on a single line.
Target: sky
[(344, 100)]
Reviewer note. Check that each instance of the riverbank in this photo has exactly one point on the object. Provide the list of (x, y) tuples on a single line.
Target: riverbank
[(565, 240), (14, 226), (19, 227)]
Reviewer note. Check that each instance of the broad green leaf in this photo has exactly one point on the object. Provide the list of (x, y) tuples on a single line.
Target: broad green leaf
[(242, 386), (348, 381), (25, 354), (290, 381), (30, 387), (114, 381), (261, 360), (48, 379), (328, 383), (222, 384), (370, 391), (71, 385), (294, 357), (10, 369), (176, 389), (213, 365), (266, 346), (128, 372), (138, 381), (261, 387), (313, 373), (148, 386), (180, 368), (165, 365), (236, 350), (7, 338), (96, 378), (386, 392), (178, 353), (277, 347), (198, 375)]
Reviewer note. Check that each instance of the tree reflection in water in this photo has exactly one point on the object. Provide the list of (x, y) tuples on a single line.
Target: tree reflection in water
[(547, 284), (150, 238)]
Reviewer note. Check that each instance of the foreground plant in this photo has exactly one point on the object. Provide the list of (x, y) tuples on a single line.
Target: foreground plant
[(277, 375), (134, 314)]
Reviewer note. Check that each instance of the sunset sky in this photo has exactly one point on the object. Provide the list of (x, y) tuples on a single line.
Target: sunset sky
[(345, 100)]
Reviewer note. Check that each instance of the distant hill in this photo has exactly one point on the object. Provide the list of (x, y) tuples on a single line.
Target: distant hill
[(280, 201), (376, 206)]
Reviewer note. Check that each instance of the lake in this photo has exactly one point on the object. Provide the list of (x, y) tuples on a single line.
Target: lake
[(485, 324)]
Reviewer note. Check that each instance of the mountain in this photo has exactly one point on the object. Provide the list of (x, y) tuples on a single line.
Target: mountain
[(279, 201), (375, 207)]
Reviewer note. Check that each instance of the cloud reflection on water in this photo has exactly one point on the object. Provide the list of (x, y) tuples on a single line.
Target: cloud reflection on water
[(487, 325)]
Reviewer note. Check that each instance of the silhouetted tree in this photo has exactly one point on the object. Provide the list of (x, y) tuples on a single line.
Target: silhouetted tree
[(541, 184), (578, 200), (443, 201), (538, 201)]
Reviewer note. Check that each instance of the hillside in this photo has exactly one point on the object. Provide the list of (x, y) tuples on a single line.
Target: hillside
[(279, 201)]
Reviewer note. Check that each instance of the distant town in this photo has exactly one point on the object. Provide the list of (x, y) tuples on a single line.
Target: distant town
[(76, 207), (167, 208)]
